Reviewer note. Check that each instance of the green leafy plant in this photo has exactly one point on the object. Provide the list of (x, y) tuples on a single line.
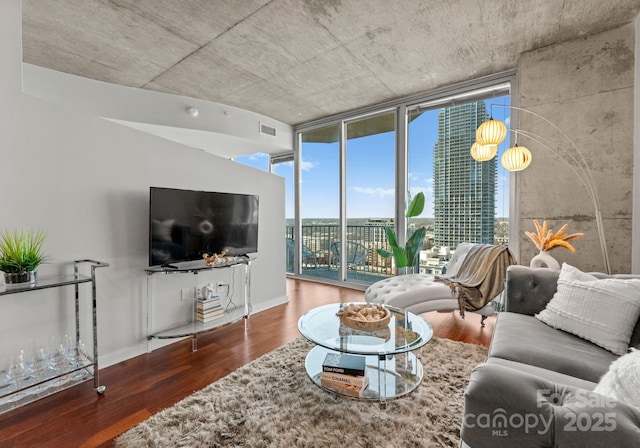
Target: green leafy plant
[(21, 250), (409, 255)]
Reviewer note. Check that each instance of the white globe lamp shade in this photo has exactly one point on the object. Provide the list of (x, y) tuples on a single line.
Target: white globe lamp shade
[(482, 153), (516, 158), (491, 132)]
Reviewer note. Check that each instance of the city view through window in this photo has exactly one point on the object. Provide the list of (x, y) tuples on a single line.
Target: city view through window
[(465, 200)]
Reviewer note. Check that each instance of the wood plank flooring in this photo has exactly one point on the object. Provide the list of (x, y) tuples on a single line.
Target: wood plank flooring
[(140, 387)]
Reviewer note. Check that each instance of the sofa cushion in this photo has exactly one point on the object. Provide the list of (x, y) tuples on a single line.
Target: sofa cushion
[(524, 339), (545, 374), (507, 407), (622, 380), (603, 311)]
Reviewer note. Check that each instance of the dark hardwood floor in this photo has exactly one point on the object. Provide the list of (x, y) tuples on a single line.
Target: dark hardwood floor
[(142, 386)]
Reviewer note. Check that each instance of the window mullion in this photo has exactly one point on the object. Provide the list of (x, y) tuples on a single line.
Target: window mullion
[(402, 173)]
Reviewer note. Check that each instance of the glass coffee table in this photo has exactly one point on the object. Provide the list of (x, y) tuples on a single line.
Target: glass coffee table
[(392, 370)]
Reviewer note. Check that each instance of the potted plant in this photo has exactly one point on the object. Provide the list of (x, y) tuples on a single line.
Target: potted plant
[(409, 255), (20, 254)]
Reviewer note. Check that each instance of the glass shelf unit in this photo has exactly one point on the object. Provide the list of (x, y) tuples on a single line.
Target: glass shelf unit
[(194, 328), (48, 282), (33, 384)]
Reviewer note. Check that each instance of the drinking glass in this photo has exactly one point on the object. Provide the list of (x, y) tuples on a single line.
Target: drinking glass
[(20, 373), (58, 362), (7, 382), (75, 358), (41, 369)]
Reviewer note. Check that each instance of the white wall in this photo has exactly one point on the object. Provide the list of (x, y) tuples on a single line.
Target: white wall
[(85, 181), (218, 128)]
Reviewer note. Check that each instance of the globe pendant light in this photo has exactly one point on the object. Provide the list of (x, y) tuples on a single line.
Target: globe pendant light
[(491, 132), (516, 158), (483, 153)]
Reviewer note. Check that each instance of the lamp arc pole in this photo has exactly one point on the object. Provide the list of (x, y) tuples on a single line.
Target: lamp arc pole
[(577, 164)]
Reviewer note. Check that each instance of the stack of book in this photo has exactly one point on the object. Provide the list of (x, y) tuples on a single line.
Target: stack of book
[(209, 309), (344, 373)]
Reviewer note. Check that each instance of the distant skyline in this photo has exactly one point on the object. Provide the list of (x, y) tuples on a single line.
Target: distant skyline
[(370, 179)]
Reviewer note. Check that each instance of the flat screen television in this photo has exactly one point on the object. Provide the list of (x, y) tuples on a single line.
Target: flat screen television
[(184, 224)]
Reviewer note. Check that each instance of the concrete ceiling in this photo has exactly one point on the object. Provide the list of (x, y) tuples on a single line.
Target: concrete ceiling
[(299, 60)]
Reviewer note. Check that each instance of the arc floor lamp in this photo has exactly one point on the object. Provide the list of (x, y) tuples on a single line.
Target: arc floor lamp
[(492, 132)]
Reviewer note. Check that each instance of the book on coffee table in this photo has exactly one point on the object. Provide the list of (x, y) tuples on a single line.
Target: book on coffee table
[(345, 388), (344, 363), (355, 380)]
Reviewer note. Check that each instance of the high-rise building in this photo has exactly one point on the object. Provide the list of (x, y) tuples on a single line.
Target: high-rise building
[(464, 190)]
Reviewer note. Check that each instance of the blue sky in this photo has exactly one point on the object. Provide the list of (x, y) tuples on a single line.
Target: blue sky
[(370, 168)]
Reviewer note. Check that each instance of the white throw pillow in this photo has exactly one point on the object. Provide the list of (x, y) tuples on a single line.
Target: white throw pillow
[(622, 380), (603, 311)]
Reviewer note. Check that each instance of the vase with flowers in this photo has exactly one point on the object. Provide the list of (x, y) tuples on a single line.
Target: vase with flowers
[(545, 240)]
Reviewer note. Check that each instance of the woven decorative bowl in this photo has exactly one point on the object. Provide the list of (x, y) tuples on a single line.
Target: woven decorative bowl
[(365, 316)]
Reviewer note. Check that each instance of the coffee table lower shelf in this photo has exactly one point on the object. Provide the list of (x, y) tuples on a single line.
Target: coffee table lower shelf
[(390, 376)]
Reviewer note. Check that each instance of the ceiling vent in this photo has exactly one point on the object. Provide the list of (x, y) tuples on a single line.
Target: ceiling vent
[(266, 129)]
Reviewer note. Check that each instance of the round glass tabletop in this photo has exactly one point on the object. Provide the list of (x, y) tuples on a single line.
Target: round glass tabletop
[(405, 332)]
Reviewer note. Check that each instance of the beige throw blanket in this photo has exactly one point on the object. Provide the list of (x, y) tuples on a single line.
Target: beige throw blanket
[(480, 277)]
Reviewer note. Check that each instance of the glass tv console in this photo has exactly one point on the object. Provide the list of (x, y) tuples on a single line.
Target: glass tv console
[(193, 328)]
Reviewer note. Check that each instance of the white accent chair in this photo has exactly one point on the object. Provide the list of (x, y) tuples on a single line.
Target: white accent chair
[(419, 293)]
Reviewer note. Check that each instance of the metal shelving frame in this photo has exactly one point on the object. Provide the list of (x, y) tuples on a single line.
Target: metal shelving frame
[(84, 371)]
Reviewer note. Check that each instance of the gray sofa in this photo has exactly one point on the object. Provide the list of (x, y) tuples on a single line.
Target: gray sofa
[(535, 388)]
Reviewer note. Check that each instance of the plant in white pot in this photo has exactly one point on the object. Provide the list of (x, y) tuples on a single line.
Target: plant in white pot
[(407, 257), (20, 254)]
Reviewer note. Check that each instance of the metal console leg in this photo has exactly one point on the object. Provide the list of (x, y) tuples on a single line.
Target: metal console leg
[(100, 389)]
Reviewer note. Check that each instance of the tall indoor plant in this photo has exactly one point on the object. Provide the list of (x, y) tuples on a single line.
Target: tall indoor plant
[(409, 255), (20, 254)]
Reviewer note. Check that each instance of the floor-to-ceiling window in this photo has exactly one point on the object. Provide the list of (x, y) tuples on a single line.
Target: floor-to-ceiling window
[(282, 165), (257, 160), (319, 189), (466, 200), (354, 169), (370, 195)]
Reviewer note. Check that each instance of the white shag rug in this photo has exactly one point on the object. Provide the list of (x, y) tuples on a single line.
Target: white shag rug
[(271, 402)]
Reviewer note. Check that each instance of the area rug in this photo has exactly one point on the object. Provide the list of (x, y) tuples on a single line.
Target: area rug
[(271, 402)]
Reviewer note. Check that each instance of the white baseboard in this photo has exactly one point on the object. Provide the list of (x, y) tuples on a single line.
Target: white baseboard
[(109, 359)]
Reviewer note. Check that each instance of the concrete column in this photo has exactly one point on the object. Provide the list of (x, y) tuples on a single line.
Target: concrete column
[(585, 87)]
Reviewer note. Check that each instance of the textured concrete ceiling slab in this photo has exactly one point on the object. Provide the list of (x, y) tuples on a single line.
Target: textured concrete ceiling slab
[(299, 60)]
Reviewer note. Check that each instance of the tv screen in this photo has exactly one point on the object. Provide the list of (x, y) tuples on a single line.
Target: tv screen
[(184, 224)]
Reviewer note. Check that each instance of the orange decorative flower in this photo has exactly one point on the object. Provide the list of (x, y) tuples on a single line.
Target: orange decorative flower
[(546, 240)]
